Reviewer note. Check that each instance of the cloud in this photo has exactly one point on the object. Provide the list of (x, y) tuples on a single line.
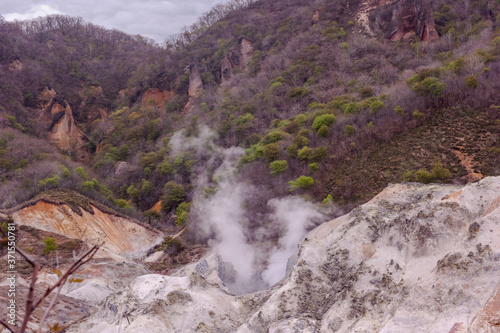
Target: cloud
[(33, 12), (155, 19)]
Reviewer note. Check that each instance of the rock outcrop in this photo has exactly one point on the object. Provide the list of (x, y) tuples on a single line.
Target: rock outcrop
[(113, 268), (195, 83), (195, 87), (63, 131), (236, 59), (416, 258), (117, 234), (398, 19), (246, 51), (156, 97)]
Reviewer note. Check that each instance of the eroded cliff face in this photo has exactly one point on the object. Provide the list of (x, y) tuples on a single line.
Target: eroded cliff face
[(117, 234), (236, 59), (63, 131), (398, 19), (113, 268), (195, 83), (156, 97), (416, 258), (195, 87)]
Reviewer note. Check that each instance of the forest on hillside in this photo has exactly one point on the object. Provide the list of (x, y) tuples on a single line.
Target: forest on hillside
[(320, 109)]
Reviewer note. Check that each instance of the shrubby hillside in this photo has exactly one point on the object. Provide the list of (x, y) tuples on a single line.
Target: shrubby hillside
[(321, 102)]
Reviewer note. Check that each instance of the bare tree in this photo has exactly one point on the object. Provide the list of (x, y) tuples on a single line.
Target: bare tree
[(31, 303)]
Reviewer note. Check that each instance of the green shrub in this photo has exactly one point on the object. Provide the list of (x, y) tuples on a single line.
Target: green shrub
[(328, 199), (182, 213), (375, 106), (283, 123), (408, 176), (298, 92), (183, 164), (122, 203), (271, 152), (305, 132), (292, 150), (304, 153), (252, 139), (318, 154), (429, 85), (399, 110), (91, 185), (65, 172), (148, 160), (417, 114), (440, 173), (423, 176), (471, 81), (315, 106), (301, 119), (49, 181), (278, 167), (339, 102), (252, 153), (244, 120), (171, 246), (133, 192), (273, 137), (174, 195), (365, 92), (313, 167), (303, 182), (151, 214), (323, 131), (326, 119), (351, 108), (457, 66), (146, 186), (165, 167), (349, 130), (15, 124), (80, 171), (49, 245), (300, 141)]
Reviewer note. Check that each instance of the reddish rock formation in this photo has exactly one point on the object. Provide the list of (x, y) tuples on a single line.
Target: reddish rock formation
[(117, 234), (195, 87), (236, 59), (195, 83), (315, 17), (63, 131), (402, 19), (246, 51), (157, 206), (156, 97), (16, 66)]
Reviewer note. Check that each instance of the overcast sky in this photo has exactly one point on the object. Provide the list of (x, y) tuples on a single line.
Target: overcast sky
[(155, 19)]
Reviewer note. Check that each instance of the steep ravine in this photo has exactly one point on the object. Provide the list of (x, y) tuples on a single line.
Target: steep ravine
[(416, 258)]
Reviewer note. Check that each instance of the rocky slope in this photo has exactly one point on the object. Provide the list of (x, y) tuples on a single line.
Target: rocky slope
[(113, 267), (398, 19), (115, 233), (416, 258)]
